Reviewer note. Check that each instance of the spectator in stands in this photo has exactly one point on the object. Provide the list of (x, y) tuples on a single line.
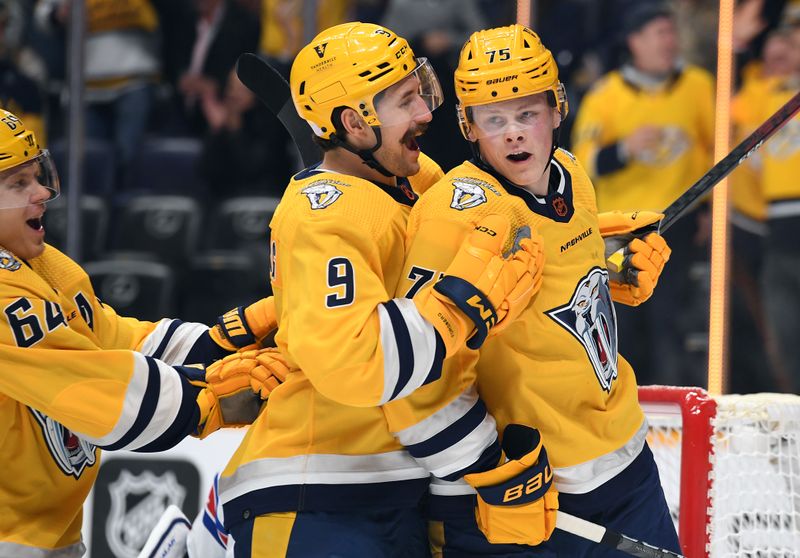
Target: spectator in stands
[(753, 349), (19, 93), (209, 43), (780, 166), (437, 30), (121, 68), (645, 134), (239, 154)]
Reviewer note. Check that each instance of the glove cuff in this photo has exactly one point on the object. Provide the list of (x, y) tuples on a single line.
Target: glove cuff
[(232, 332), (472, 303)]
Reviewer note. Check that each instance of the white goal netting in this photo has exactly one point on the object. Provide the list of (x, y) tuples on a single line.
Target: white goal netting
[(754, 489)]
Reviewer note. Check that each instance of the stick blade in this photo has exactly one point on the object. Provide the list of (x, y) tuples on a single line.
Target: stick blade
[(272, 89)]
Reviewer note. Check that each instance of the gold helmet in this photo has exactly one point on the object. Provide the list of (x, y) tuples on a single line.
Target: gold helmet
[(505, 63), (347, 66), (18, 151)]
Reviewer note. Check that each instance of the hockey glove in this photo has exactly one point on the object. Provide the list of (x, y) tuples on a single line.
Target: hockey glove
[(480, 287), (270, 373), (242, 327), (228, 397), (634, 277), (517, 501)]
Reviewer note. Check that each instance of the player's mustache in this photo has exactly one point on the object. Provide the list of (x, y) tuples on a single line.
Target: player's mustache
[(414, 132)]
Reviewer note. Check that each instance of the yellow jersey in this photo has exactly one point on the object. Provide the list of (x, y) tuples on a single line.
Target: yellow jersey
[(71, 383), (780, 158), (683, 109), (337, 250), (556, 368)]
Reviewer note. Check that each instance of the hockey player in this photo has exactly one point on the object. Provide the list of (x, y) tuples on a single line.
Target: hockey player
[(320, 474), (556, 367), (76, 377)]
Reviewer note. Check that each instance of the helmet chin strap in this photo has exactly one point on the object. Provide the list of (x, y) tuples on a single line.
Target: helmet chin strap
[(366, 155)]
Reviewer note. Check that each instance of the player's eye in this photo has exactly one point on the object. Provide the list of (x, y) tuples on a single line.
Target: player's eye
[(528, 115)]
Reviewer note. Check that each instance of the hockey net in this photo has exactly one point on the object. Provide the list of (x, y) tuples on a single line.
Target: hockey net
[(730, 468)]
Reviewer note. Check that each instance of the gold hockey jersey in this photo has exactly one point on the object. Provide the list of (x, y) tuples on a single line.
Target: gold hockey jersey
[(556, 368), (70, 383), (615, 108), (337, 250), (780, 157)]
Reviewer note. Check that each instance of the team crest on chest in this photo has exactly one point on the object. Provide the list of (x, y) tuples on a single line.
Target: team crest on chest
[(590, 317), (71, 454), (322, 193), (8, 261), (468, 192)]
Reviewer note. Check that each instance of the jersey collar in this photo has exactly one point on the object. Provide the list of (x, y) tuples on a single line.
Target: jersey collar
[(402, 193), (556, 204)]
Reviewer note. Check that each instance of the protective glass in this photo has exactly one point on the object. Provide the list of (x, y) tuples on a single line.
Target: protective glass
[(411, 98), (513, 116), (22, 185)]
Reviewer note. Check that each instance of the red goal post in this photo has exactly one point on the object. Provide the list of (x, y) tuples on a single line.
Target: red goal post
[(730, 468)]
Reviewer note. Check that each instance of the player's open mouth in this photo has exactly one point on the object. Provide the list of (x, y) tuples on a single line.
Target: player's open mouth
[(410, 141), (518, 156), (35, 224)]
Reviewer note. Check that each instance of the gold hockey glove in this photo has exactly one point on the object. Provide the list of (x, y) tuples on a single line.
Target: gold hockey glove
[(243, 327), (517, 501), (228, 397), (270, 373), (480, 287)]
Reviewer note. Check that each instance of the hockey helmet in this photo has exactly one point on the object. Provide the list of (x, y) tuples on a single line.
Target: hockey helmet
[(348, 65), (23, 164), (501, 64)]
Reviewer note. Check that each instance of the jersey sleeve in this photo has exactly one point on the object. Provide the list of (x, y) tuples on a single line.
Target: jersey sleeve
[(355, 343), (444, 425), (115, 398), (588, 131), (171, 340)]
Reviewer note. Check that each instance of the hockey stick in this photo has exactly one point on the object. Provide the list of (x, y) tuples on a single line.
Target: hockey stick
[(715, 174), (272, 90), (606, 537)]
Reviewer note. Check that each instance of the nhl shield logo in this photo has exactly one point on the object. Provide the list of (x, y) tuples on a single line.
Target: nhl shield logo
[(71, 454), (137, 502), (321, 193), (467, 193), (8, 261), (590, 317)]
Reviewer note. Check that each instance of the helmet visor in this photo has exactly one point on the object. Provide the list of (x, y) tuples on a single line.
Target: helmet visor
[(411, 99), (32, 182), (523, 115)]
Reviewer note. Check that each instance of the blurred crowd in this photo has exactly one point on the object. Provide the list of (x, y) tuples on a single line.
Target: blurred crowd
[(183, 166)]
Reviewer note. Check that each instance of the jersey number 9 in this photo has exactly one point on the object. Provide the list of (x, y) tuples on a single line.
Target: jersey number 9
[(341, 277)]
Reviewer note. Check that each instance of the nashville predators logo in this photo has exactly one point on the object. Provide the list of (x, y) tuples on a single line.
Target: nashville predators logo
[(8, 261), (321, 193), (590, 317), (467, 193), (786, 142), (71, 454), (674, 143)]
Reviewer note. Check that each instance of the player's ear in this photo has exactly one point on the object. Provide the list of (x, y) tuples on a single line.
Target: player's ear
[(556, 118), (352, 122)]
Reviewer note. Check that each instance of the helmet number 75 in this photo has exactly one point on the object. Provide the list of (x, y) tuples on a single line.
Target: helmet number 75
[(499, 54)]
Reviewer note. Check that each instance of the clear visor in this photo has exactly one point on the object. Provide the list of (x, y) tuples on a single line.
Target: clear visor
[(412, 99), (520, 116), (31, 183)]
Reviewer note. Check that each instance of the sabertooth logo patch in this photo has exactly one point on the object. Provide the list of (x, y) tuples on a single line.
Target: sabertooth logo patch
[(322, 193), (590, 317), (71, 454), (467, 193), (320, 49), (8, 261)]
